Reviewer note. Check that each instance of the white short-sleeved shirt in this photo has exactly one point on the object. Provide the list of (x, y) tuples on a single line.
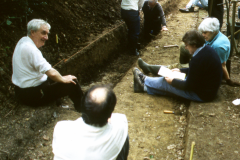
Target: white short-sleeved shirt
[(29, 66), (76, 140), (132, 4)]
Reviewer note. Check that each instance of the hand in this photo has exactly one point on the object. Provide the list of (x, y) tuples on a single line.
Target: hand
[(175, 70), (169, 80), (164, 28), (69, 79), (231, 83)]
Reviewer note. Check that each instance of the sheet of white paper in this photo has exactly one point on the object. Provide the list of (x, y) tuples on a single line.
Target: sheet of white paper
[(236, 102), (165, 72)]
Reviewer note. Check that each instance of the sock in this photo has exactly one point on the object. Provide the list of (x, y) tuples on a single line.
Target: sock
[(145, 88)]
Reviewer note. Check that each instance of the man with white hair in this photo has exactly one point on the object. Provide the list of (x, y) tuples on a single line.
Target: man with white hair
[(154, 18), (98, 135), (213, 37), (130, 10), (192, 3), (31, 72)]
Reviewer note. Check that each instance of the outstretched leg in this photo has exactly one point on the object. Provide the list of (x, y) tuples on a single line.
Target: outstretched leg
[(147, 68)]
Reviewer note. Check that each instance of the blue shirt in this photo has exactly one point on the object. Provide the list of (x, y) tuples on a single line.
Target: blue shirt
[(196, 52), (221, 45)]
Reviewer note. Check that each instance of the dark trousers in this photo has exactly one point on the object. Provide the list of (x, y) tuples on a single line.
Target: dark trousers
[(125, 150), (47, 92), (217, 10), (132, 20), (151, 25)]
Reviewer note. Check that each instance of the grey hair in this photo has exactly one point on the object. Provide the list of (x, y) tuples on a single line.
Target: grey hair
[(210, 25), (35, 25), (156, 1)]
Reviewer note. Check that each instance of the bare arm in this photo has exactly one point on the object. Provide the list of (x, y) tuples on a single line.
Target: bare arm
[(57, 77), (227, 78), (225, 72)]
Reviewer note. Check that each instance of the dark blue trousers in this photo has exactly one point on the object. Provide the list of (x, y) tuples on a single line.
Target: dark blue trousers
[(132, 20), (152, 25), (125, 150)]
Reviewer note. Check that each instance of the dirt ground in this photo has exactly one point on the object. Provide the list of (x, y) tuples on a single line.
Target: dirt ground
[(26, 133)]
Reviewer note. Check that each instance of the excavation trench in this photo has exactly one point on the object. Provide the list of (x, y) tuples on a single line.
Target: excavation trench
[(28, 131)]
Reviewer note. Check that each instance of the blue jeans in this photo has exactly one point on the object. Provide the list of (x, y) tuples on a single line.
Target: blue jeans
[(204, 3), (159, 86), (132, 20)]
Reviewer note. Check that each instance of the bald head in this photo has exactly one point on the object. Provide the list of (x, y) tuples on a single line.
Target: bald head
[(98, 95), (98, 104)]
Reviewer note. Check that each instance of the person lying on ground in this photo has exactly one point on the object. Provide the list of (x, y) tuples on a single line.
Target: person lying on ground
[(99, 134), (154, 18), (32, 73), (214, 38), (203, 78), (192, 3)]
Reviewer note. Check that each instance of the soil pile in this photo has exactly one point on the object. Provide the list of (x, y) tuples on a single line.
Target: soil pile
[(72, 21)]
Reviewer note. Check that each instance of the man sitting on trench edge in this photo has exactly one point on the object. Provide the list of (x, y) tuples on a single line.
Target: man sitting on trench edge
[(203, 79), (31, 72), (98, 135)]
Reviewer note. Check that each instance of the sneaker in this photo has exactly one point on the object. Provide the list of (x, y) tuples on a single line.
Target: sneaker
[(134, 52), (186, 10)]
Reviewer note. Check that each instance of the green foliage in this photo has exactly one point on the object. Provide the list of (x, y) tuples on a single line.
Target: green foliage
[(8, 22), (25, 8), (5, 50)]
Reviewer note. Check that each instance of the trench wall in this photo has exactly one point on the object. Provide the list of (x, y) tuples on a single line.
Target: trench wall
[(95, 54), (87, 60)]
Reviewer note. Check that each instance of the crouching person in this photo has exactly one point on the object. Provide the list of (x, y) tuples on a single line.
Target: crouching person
[(32, 73), (98, 135), (203, 79), (154, 18)]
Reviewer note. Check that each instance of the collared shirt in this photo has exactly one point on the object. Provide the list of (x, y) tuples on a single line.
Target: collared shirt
[(132, 4), (28, 64), (221, 45), (199, 49), (75, 140)]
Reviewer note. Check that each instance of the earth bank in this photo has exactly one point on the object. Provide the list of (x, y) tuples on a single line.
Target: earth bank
[(26, 133)]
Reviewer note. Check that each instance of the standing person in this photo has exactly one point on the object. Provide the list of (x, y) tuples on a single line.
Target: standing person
[(203, 78), (154, 18), (130, 10), (98, 135), (31, 72), (217, 10)]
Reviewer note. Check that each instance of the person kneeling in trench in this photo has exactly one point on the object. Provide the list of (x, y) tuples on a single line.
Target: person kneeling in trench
[(203, 78), (213, 37), (31, 72), (154, 18)]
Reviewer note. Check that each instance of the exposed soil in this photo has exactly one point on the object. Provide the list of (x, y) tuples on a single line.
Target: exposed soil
[(26, 133)]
